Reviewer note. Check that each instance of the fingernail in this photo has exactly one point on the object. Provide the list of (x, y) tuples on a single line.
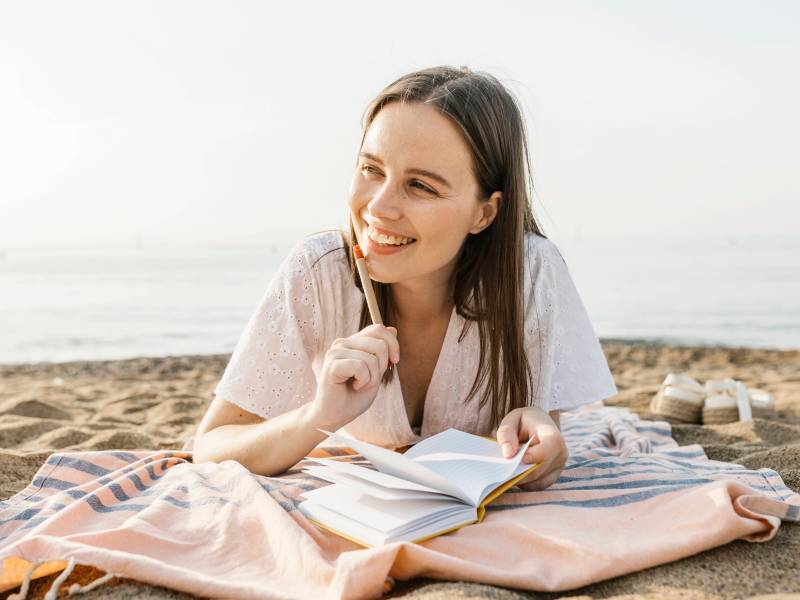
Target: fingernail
[(506, 449)]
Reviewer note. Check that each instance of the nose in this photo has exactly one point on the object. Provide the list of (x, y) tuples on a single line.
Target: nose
[(385, 203)]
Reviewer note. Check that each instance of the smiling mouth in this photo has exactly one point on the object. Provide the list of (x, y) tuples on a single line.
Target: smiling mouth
[(389, 240)]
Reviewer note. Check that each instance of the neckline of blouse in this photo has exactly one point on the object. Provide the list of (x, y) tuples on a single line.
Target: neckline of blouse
[(430, 394)]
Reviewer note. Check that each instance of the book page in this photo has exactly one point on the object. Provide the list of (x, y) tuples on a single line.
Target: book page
[(393, 463), (369, 486), (376, 477), (360, 533), (388, 516), (475, 464)]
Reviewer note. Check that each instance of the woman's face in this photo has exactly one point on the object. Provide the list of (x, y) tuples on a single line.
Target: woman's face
[(414, 183)]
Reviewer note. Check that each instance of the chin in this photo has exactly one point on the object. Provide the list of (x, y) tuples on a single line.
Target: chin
[(384, 280)]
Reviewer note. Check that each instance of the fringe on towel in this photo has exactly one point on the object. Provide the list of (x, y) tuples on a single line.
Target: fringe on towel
[(52, 593)]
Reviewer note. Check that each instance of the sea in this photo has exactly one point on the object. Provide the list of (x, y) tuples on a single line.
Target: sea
[(100, 303)]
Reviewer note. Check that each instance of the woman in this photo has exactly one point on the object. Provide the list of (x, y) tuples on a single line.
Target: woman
[(493, 336)]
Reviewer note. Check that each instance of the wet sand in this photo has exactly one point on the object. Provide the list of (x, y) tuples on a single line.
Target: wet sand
[(156, 403)]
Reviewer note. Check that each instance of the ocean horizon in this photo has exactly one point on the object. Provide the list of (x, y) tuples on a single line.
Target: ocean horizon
[(69, 303)]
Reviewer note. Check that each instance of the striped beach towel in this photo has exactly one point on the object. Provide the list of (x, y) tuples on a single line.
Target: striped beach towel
[(628, 499)]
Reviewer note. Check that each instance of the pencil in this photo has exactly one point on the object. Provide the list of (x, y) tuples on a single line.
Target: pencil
[(366, 284)]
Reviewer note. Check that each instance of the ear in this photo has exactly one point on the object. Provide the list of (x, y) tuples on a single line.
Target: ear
[(486, 212)]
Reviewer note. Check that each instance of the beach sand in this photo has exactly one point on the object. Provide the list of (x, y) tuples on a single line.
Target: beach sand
[(156, 403)]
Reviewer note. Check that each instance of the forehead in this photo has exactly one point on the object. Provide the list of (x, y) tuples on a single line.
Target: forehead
[(415, 135)]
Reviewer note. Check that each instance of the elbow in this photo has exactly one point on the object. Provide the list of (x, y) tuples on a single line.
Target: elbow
[(200, 450)]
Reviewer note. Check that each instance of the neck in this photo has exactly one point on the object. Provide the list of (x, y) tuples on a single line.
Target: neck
[(423, 299)]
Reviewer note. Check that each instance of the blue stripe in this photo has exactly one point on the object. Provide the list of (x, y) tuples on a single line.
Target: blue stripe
[(53, 483), (633, 484), (600, 426), (26, 514), (98, 506), (652, 461), (665, 431), (34, 522), (684, 453), (126, 456), (624, 485), (567, 478), (176, 502), (84, 466), (678, 451), (30, 512), (660, 454), (594, 502), (118, 492), (736, 474), (137, 481)]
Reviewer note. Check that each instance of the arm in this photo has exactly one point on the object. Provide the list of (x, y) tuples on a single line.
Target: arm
[(281, 431), (349, 381), (265, 447)]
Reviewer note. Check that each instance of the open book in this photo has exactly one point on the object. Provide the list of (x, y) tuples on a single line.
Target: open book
[(440, 484)]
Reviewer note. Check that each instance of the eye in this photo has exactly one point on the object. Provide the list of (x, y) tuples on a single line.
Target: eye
[(368, 169), (423, 187), (416, 183)]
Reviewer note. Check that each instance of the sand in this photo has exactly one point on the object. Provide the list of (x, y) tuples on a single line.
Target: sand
[(156, 403)]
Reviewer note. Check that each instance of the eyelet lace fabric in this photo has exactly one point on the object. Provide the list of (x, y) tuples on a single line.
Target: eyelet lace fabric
[(312, 299)]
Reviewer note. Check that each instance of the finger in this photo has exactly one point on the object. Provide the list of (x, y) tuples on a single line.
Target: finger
[(348, 368), (370, 360), (394, 345), (529, 425), (537, 472), (376, 346), (535, 454), (388, 334), (542, 483), (507, 434), (551, 448)]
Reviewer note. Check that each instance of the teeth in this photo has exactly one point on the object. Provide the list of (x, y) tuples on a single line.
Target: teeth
[(389, 239)]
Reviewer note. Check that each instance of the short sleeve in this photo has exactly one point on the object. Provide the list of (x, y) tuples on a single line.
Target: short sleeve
[(567, 361), (270, 371)]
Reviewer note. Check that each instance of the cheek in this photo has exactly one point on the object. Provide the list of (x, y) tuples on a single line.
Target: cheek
[(443, 225), (443, 230), (356, 199)]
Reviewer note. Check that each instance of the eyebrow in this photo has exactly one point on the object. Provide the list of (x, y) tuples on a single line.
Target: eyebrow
[(423, 172)]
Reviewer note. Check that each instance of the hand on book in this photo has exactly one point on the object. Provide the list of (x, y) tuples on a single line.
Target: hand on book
[(548, 446)]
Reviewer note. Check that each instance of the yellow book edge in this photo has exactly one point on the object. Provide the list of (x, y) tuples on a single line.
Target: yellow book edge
[(481, 512)]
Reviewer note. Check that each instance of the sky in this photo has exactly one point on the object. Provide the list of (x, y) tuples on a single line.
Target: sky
[(231, 123)]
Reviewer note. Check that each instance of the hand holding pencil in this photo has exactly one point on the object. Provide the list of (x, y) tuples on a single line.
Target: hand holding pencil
[(354, 366)]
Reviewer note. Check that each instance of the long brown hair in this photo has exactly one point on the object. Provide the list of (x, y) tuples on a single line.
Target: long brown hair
[(488, 279)]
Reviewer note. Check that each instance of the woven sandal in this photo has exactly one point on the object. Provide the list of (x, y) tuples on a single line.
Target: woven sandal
[(728, 401), (680, 399)]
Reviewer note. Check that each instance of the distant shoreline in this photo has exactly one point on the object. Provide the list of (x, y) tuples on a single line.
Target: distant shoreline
[(609, 344)]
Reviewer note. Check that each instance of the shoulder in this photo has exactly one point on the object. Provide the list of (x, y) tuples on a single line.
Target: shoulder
[(535, 242), (539, 251), (546, 271), (323, 250)]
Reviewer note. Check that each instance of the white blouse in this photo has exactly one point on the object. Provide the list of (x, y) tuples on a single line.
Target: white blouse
[(312, 300)]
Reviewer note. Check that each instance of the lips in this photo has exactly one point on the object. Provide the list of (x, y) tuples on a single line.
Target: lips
[(374, 248), (389, 233)]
